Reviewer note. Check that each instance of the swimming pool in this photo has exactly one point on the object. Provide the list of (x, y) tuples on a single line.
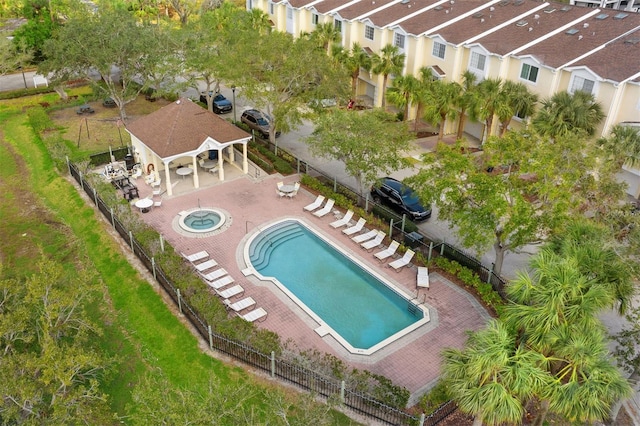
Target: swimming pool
[(348, 300)]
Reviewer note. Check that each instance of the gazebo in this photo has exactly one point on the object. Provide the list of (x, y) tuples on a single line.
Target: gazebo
[(181, 133)]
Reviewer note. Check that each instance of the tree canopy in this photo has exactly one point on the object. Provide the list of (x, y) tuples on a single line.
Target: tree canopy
[(369, 143), (110, 43), (285, 76), (517, 191)]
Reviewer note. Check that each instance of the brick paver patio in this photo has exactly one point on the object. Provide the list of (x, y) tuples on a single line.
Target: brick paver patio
[(413, 361)]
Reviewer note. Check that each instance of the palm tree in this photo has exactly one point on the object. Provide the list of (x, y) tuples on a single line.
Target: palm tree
[(354, 60), (467, 101), (565, 113), (441, 104), (555, 313), (491, 101), (519, 99), (592, 245), (326, 35), (402, 91), (260, 21), (623, 144), (492, 377), (420, 96), (388, 61)]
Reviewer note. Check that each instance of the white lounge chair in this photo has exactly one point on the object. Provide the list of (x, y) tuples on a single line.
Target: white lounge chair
[(344, 221), (355, 228), (366, 236), (255, 315), (423, 277), (196, 257), (388, 252), (326, 209), (214, 275), (231, 291), (201, 267), (220, 283), (371, 244), (403, 261), (315, 204), (240, 305)]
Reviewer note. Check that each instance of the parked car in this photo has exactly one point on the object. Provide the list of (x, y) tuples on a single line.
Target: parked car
[(258, 121), (221, 104), (401, 198)]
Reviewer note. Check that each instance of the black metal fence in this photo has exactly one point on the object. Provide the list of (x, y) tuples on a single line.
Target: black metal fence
[(280, 368)]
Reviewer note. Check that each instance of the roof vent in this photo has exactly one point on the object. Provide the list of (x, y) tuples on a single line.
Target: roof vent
[(536, 16), (518, 2), (585, 25), (550, 10), (572, 31), (438, 7), (633, 41), (521, 23), (565, 9), (504, 2), (621, 15), (491, 9), (602, 16), (405, 1), (477, 15)]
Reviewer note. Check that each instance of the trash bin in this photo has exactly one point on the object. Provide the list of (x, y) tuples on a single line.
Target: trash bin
[(129, 161), (413, 239)]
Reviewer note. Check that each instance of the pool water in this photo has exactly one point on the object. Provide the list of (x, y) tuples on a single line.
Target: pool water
[(202, 220), (357, 305)]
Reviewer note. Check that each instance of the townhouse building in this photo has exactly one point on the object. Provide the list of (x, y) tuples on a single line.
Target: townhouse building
[(549, 46)]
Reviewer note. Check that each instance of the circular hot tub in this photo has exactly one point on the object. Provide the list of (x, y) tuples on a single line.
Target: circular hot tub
[(202, 220)]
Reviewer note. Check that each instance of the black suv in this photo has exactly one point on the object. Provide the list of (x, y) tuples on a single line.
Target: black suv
[(258, 121), (221, 104), (401, 198)]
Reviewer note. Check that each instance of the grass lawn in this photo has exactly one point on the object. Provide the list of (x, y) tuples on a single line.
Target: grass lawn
[(43, 211)]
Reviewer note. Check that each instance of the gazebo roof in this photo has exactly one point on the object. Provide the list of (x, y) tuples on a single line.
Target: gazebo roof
[(183, 126)]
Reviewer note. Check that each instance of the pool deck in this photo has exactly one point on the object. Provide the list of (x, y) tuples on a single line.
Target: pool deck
[(413, 361)]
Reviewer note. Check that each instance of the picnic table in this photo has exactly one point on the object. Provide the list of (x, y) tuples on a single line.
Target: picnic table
[(85, 109)]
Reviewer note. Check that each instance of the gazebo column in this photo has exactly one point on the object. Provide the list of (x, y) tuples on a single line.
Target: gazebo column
[(196, 179), (245, 162), (167, 179), (220, 166), (232, 157)]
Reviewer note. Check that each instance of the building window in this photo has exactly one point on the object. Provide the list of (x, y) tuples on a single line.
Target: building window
[(368, 32), (398, 41), (314, 19), (438, 49), (529, 72), (271, 8), (478, 61), (338, 25), (582, 84), (289, 13)]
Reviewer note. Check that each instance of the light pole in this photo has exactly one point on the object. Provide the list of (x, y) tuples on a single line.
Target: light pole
[(233, 90)]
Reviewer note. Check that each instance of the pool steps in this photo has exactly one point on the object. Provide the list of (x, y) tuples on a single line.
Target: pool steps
[(260, 252)]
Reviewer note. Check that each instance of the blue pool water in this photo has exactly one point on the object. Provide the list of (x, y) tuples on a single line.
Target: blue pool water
[(358, 306)]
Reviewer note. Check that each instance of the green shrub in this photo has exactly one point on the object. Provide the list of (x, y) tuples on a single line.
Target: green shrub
[(434, 399), (470, 279), (14, 94)]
